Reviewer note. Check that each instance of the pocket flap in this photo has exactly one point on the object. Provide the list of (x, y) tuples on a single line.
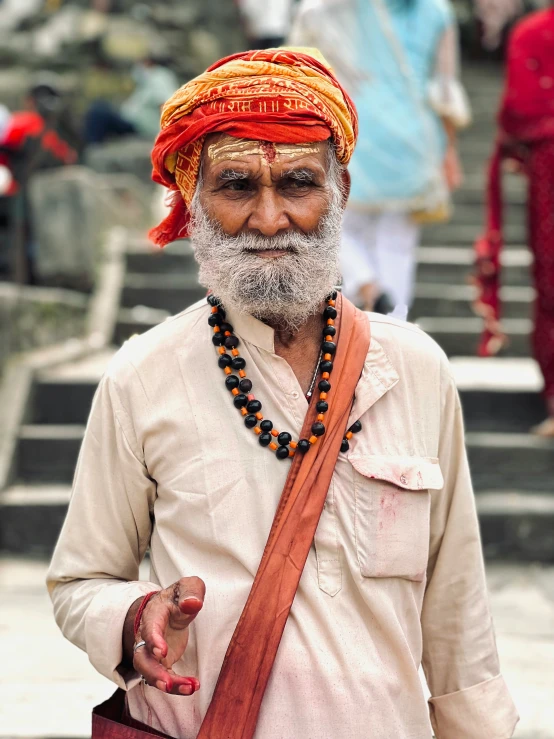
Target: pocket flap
[(409, 473)]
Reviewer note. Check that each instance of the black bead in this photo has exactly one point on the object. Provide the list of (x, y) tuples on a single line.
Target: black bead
[(231, 382), (345, 446), (330, 312), (324, 386), (250, 421), (221, 312), (265, 439), (240, 400), (238, 363), (318, 429), (322, 406), (266, 425), (212, 300), (356, 427), (284, 438), (333, 295), (282, 452), (214, 320), (231, 342), (217, 339), (329, 331), (226, 327), (224, 360), (254, 406), (303, 446), (326, 366), (328, 347), (245, 385)]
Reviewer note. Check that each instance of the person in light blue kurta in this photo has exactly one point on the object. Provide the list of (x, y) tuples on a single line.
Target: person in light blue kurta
[(398, 60)]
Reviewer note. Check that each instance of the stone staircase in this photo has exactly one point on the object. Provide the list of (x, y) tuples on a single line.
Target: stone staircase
[(512, 470)]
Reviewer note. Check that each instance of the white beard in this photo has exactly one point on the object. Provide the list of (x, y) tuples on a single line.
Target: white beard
[(285, 290)]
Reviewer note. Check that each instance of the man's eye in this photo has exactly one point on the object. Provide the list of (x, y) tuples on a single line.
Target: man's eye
[(237, 185), (296, 184)]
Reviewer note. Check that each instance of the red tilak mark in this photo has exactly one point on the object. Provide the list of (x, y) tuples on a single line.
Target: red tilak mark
[(268, 151)]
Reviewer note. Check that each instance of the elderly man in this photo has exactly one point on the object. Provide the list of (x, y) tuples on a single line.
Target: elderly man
[(268, 416)]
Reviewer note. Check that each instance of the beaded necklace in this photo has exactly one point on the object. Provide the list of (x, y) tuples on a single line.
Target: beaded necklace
[(240, 386)]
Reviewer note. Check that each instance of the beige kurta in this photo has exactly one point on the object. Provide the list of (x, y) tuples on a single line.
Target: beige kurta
[(395, 576)]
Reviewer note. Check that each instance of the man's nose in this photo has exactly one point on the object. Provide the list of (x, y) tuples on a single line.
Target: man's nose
[(268, 215)]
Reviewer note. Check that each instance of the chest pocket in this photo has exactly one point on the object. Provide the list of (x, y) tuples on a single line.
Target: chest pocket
[(392, 514)]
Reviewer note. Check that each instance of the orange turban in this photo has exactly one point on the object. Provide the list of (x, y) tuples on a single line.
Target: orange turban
[(280, 95)]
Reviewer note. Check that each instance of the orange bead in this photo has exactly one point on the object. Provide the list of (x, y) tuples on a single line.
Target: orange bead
[(312, 439), (323, 396), (274, 432), (227, 370), (328, 338), (330, 322), (325, 375), (349, 435), (235, 352), (273, 446), (235, 391), (321, 416), (327, 357), (244, 411), (221, 350), (214, 309), (294, 444), (216, 329), (257, 430), (259, 417), (291, 453), (227, 333), (242, 373), (331, 303)]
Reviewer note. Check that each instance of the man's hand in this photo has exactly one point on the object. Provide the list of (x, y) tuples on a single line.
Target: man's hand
[(164, 628)]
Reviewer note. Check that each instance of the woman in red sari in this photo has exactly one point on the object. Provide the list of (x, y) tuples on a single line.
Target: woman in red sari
[(526, 134)]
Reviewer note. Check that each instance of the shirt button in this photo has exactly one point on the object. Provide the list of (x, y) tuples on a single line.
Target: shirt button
[(403, 479), (295, 395)]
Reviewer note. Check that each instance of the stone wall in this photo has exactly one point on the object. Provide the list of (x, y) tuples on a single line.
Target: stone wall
[(35, 317)]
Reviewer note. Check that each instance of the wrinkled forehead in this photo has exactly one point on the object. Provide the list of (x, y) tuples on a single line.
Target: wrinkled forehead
[(220, 147)]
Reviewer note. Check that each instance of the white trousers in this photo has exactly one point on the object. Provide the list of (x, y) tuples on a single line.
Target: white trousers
[(380, 248)]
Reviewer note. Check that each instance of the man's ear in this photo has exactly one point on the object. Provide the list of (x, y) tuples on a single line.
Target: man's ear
[(346, 183)]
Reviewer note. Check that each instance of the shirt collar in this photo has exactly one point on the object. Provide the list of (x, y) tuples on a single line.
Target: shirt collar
[(378, 377), (252, 330)]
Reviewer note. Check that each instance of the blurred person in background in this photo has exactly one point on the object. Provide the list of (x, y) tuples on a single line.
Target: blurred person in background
[(267, 23), (526, 139), (31, 140), (139, 114), (399, 61)]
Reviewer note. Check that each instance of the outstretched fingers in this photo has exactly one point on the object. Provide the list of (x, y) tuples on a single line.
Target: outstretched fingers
[(160, 677)]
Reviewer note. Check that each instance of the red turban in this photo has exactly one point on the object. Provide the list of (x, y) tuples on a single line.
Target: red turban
[(280, 95)]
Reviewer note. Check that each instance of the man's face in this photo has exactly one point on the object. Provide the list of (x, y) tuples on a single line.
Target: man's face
[(263, 187), (266, 226)]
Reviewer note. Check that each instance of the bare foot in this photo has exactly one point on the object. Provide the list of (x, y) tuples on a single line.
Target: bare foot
[(545, 429)]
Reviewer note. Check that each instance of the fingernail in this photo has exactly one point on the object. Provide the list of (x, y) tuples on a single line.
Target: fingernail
[(157, 652), (186, 690), (161, 686)]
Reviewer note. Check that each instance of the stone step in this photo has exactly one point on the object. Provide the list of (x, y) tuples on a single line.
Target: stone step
[(454, 265), (516, 525), (460, 336), (456, 301), (168, 292), (63, 395), (136, 320), (504, 461), (47, 453), (175, 258), (31, 518), (464, 234)]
